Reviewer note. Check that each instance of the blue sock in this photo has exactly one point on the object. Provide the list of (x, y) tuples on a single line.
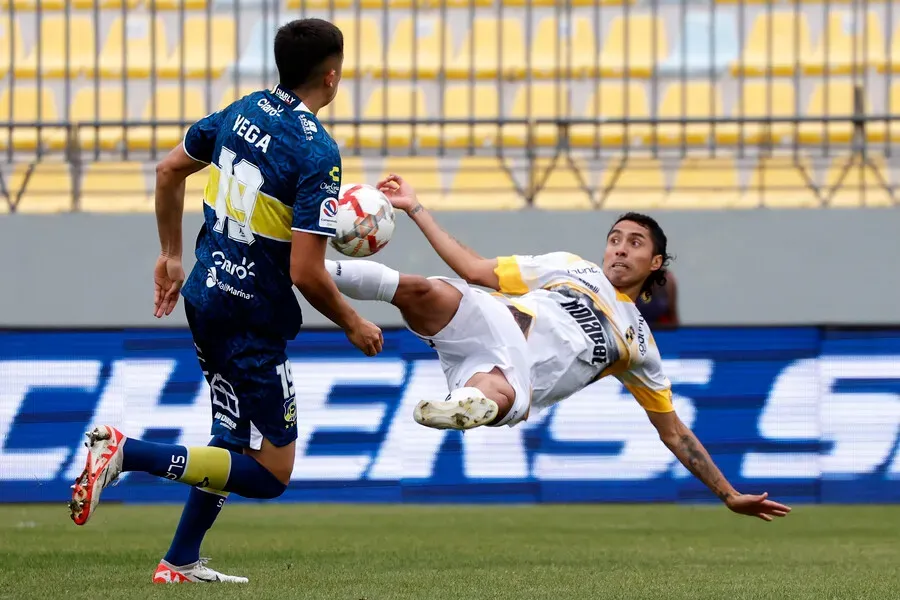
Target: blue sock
[(202, 508), (204, 466)]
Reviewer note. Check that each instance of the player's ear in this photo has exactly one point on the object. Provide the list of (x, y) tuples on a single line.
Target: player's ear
[(656, 262)]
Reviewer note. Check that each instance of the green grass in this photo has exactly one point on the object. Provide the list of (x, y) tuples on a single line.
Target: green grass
[(408, 552)]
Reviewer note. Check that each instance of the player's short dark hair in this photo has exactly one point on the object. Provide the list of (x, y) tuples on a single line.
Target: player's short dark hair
[(301, 49), (660, 243)]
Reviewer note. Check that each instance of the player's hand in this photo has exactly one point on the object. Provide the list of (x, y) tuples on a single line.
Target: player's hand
[(757, 506), (367, 337), (399, 192), (168, 276)]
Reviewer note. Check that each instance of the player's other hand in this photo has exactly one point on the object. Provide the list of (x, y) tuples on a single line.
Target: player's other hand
[(399, 192), (367, 337), (757, 506), (168, 276)]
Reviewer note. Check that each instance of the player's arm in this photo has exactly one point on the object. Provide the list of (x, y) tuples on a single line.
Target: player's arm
[(464, 261)]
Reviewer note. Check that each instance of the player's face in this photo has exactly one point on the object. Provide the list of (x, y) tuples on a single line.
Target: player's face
[(629, 257)]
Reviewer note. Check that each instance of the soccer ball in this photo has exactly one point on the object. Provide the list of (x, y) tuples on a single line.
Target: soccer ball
[(365, 220)]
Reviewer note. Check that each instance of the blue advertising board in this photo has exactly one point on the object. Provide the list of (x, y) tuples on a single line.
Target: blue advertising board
[(807, 414)]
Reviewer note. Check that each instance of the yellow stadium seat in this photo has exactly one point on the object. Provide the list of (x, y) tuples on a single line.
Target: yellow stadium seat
[(892, 61), (231, 94), (339, 4), (117, 187), (394, 102), (55, 58), (362, 46), (572, 2), (705, 184), (45, 187), (880, 131), (632, 183), (853, 182), (483, 183), (766, 98), (90, 4), (694, 100), (562, 185), (613, 101), (415, 49), (634, 45), (849, 44), (12, 48), (491, 48), (209, 48), (564, 48), (144, 52), (425, 173), (28, 107), (48, 5), (170, 104), (782, 182), (775, 44), (831, 99), (341, 108), (533, 102), (86, 108), (466, 102), (175, 4), (353, 170)]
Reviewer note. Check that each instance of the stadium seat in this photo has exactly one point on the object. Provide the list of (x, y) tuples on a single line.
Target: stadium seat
[(338, 4), (12, 48), (483, 183), (231, 94), (853, 183), (831, 99), (175, 4), (44, 187), (632, 183), (55, 58), (116, 187), (561, 185), (707, 43), (143, 53), (892, 60), (564, 48), (537, 101), (101, 4), (466, 101), (693, 100), (170, 104), (775, 44), (850, 43), (766, 98), (881, 131), (571, 2), (353, 170), (492, 48), (634, 46), (363, 53), (782, 182), (704, 184), (341, 108), (613, 101), (28, 106), (415, 49), (209, 48), (87, 107), (394, 102), (48, 5), (425, 172)]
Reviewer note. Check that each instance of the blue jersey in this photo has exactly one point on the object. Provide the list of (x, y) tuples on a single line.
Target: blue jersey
[(273, 168)]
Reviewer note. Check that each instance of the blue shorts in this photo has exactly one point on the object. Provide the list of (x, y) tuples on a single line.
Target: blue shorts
[(250, 381)]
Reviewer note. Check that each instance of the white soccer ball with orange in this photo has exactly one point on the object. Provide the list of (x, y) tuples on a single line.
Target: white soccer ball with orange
[(365, 220)]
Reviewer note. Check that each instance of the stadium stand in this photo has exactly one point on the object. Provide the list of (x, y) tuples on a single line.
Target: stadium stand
[(491, 104)]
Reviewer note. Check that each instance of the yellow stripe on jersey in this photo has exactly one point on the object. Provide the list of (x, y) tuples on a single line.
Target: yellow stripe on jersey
[(510, 276), (623, 297), (270, 217), (653, 400)]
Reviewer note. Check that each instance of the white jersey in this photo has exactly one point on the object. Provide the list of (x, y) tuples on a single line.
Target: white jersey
[(579, 328)]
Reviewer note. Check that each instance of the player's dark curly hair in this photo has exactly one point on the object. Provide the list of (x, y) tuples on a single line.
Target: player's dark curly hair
[(658, 236), (301, 49)]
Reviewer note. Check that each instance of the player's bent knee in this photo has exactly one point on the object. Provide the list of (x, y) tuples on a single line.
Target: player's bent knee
[(411, 289)]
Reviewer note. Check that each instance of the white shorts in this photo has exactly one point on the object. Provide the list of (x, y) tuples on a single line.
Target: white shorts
[(483, 335)]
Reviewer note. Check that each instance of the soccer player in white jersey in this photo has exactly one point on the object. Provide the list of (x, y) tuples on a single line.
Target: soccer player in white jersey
[(553, 325)]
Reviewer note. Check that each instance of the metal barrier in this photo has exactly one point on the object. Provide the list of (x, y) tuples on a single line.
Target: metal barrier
[(771, 95)]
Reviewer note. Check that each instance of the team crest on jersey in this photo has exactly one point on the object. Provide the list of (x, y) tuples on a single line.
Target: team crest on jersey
[(629, 334), (290, 412)]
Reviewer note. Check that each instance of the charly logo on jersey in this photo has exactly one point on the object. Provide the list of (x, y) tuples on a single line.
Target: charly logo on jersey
[(284, 96), (328, 213), (240, 271)]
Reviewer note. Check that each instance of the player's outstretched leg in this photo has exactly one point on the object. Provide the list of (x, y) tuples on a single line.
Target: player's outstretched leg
[(428, 306)]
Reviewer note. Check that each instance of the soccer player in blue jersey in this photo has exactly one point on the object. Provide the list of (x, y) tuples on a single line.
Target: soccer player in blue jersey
[(269, 207)]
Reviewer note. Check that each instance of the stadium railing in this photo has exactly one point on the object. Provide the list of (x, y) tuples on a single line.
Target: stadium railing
[(494, 104)]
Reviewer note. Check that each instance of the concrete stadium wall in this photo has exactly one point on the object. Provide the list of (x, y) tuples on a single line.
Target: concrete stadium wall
[(733, 268)]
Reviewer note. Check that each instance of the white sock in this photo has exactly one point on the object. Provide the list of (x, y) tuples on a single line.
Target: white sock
[(364, 279)]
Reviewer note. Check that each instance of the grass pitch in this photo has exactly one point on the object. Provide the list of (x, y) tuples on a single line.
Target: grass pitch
[(463, 552)]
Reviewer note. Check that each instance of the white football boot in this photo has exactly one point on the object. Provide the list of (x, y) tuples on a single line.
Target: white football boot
[(464, 408), (196, 572), (102, 467)]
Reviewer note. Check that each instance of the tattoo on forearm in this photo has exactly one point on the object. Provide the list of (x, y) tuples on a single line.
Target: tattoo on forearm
[(415, 209), (698, 463)]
